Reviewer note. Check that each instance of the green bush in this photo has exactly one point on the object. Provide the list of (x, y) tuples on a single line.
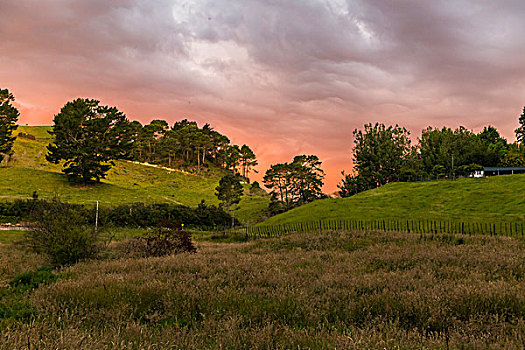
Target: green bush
[(62, 233)]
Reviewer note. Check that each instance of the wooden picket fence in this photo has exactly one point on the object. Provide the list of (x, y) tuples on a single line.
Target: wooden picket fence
[(511, 229)]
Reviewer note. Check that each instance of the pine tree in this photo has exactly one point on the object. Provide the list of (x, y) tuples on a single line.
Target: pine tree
[(248, 160), (89, 137), (8, 118)]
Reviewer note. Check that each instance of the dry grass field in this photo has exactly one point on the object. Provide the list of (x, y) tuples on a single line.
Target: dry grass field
[(344, 290)]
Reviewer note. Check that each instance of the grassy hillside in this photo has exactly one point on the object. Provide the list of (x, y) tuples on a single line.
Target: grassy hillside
[(494, 199), (127, 182)]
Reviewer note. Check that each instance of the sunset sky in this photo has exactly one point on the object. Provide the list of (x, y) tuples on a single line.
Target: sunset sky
[(286, 77)]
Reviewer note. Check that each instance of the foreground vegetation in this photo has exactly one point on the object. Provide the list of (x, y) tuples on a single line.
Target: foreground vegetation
[(327, 290), (494, 199)]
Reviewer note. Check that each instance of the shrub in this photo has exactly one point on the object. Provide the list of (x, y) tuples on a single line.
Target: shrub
[(61, 232), (165, 240)]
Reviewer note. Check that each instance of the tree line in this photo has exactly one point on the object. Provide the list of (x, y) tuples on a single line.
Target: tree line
[(383, 154), (89, 137)]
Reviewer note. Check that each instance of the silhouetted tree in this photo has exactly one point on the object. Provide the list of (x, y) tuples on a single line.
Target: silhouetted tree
[(8, 118)]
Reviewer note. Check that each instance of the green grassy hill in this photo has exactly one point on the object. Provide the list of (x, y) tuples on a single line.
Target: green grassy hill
[(494, 199), (28, 171)]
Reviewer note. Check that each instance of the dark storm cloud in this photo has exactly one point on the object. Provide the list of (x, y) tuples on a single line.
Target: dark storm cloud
[(287, 77)]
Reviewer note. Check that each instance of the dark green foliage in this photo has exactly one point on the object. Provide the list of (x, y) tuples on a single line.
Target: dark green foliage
[(89, 137), (204, 216), (62, 233), (294, 183), (8, 118), (141, 215), (187, 145), (380, 153), (18, 209), (230, 190), (352, 184)]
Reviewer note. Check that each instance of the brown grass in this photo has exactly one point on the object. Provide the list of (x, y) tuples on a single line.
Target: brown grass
[(329, 290)]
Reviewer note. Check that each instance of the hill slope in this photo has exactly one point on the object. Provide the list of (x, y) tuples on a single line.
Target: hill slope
[(499, 198), (127, 182)]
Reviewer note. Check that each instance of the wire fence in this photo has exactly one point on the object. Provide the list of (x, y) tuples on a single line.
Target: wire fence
[(510, 229)]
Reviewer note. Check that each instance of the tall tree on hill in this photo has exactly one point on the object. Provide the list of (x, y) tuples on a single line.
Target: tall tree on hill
[(229, 191), (520, 132), (8, 118), (277, 180), (89, 137), (493, 147), (297, 182), (307, 178), (247, 159), (380, 151), (152, 133), (232, 157)]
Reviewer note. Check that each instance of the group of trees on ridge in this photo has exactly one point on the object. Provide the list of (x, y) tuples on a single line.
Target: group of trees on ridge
[(383, 154), (188, 145), (88, 137)]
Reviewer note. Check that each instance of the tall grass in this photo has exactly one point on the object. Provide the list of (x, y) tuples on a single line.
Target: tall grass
[(327, 290)]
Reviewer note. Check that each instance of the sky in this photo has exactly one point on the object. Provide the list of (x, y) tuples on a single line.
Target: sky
[(286, 77)]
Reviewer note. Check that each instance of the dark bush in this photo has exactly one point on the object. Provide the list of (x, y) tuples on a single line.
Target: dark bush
[(61, 231), (165, 240), (152, 215), (203, 217)]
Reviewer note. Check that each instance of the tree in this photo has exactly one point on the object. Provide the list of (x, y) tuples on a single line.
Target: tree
[(8, 118), (520, 132), (380, 152), (493, 147), (248, 160), (89, 137), (307, 178), (277, 180), (295, 183), (230, 190), (352, 184)]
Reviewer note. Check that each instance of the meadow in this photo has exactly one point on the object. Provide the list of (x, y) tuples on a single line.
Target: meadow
[(332, 289)]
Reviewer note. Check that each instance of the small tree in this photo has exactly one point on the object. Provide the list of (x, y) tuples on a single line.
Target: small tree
[(229, 191), (62, 232), (8, 118), (89, 137)]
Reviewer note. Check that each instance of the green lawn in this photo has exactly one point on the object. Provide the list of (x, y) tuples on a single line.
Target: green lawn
[(127, 182), (492, 199)]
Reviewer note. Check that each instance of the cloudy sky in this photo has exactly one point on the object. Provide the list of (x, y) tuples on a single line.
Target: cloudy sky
[(286, 77)]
